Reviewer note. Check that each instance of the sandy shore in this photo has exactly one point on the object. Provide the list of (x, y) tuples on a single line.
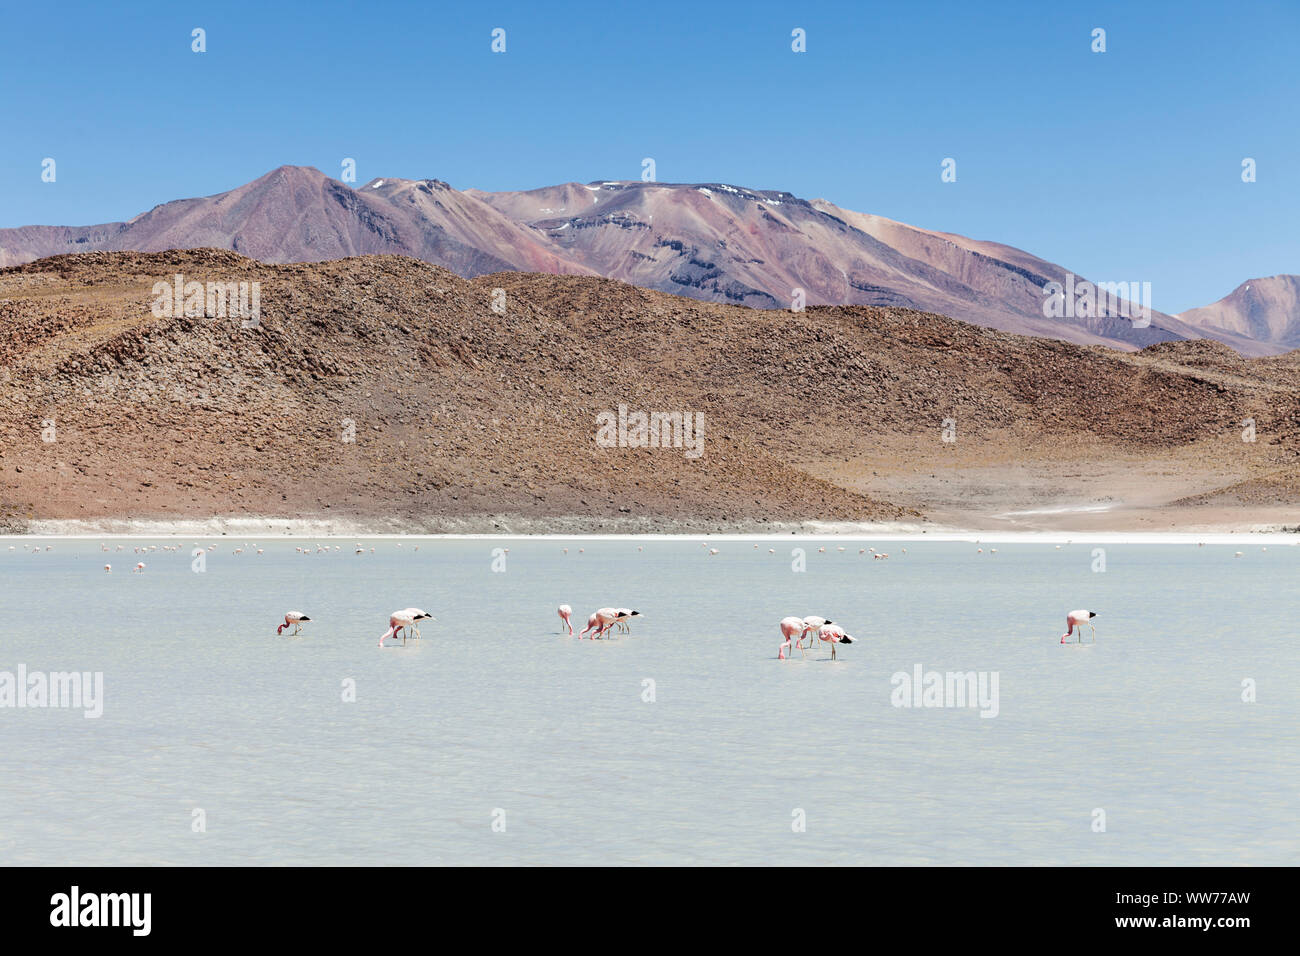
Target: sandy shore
[(1205, 488)]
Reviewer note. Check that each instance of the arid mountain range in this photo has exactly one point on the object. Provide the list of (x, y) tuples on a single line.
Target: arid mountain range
[(708, 241), (385, 393)]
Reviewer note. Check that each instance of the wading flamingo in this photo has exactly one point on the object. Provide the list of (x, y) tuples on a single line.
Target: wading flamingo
[(811, 623), (564, 611), (624, 615), (405, 618), (792, 629), (833, 634), (1078, 619), (602, 620), (294, 619)]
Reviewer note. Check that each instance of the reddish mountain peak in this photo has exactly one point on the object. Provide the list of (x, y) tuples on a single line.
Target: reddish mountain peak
[(713, 241), (1267, 309)]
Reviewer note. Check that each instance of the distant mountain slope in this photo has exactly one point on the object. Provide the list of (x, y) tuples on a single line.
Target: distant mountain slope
[(714, 242), (726, 244), (1267, 310), (297, 214)]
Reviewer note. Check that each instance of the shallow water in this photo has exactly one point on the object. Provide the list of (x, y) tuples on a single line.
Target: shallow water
[(495, 716)]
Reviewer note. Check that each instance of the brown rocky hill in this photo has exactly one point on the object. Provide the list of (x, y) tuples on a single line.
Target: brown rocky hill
[(466, 418)]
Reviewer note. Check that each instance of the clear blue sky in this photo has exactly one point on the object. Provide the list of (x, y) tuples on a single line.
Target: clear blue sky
[(1122, 166)]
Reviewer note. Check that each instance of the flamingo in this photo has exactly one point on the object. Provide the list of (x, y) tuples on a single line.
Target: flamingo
[(138, 567), (833, 634), (623, 615), (602, 620), (564, 611), (598, 621), (295, 618), (1078, 619), (790, 627), (406, 617), (811, 623)]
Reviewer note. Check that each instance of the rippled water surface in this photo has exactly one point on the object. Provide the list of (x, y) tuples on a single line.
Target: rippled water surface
[(685, 742)]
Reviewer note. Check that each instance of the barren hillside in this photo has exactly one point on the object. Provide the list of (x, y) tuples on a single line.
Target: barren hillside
[(466, 418)]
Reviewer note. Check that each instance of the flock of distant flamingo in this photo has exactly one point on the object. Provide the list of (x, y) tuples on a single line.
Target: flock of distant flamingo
[(602, 621), (793, 629)]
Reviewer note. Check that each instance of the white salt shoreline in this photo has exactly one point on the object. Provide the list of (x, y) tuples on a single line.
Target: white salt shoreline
[(271, 528)]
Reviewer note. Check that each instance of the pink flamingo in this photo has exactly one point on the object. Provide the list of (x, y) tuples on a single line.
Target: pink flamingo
[(792, 629), (1078, 619), (833, 634), (564, 611), (294, 619), (811, 623), (624, 614), (407, 617), (602, 620)]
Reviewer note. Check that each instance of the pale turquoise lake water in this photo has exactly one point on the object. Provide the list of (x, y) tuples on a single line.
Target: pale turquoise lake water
[(206, 708)]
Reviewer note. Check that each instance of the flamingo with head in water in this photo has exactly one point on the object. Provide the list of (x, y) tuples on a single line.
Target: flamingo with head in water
[(603, 619), (1078, 619), (811, 623), (408, 617), (624, 615), (792, 630), (833, 634), (564, 611), (295, 620)]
